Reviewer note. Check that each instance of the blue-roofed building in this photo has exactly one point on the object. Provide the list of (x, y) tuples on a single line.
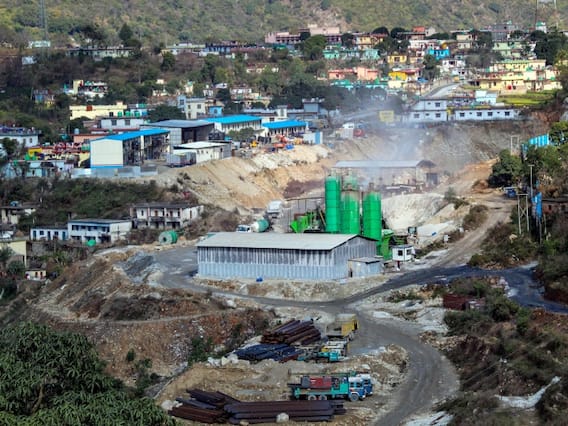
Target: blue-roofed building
[(236, 123), (288, 127), (129, 149), (183, 131)]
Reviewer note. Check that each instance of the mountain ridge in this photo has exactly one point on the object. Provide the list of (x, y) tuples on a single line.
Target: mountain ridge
[(249, 20)]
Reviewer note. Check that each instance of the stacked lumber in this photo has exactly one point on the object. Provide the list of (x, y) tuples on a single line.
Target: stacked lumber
[(293, 331)]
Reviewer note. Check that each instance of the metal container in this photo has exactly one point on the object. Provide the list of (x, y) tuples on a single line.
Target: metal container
[(350, 220), (332, 204), (168, 237), (372, 216)]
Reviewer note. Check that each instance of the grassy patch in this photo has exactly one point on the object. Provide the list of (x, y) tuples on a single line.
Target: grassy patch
[(528, 99)]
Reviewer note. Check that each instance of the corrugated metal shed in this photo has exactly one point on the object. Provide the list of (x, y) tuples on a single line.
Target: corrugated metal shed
[(281, 256), (288, 241)]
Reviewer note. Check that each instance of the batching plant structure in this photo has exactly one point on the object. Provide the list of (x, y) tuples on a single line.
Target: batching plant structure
[(332, 204), (350, 206)]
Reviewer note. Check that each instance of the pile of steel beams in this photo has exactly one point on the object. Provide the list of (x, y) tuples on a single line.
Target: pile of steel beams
[(268, 411), (293, 331), (203, 406), (278, 352), (217, 407)]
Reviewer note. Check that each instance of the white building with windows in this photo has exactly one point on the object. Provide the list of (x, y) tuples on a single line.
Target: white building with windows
[(24, 137), (48, 233), (486, 114), (427, 111), (164, 215), (98, 230)]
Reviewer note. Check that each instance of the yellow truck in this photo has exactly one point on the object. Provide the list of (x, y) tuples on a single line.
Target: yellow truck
[(344, 327)]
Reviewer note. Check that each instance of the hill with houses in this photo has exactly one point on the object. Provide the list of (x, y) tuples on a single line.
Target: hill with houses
[(250, 20)]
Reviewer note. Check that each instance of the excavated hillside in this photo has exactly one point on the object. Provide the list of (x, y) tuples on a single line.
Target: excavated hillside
[(247, 185)]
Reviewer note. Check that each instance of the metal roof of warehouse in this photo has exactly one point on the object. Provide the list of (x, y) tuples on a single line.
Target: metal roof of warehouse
[(234, 119), (133, 135), (182, 124), (273, 240), (369, 164), (284, 124)]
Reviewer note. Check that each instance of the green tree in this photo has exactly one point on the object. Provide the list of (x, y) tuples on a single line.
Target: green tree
[(312, 48), (6, 253), (507, 171), (125, 34), (550, 46), (559, 131), (380, 30), (223, 95), (347, 40), (397, 33), (483, 39), (57, 378), (168, 61), (430, 68), (387, 46), (165, 112)]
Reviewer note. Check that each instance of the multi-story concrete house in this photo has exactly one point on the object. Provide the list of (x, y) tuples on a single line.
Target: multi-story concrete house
[(164, 215), (24, 136), (98, 230), (48, 233), (12, 213)]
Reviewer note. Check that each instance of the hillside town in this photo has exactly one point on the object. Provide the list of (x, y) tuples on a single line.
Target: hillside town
[(243, 223)]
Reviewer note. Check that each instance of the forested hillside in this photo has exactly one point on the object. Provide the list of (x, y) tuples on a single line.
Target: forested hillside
[(248, 20)]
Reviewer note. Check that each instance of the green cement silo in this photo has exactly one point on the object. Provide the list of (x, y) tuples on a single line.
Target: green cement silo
[(350, 221), (332, 204), (372, 216)]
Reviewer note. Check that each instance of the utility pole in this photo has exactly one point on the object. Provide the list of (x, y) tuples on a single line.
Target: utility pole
[(531, 180)]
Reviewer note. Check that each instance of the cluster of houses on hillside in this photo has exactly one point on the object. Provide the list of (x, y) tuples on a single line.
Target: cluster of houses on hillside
[(90, 232)]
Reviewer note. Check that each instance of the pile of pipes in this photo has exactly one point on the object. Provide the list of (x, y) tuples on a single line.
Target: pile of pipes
[(278, 352), (205, 407), (279, 411), (217, 407), (293, 331)]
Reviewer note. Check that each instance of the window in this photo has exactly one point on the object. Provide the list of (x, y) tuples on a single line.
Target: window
[(416, 116), (400, 252), (462, 114), (507, 113), (490, 114), (199, 106), (127, 122), (437, 104), (478, 114), (113, 122), (438, 115)]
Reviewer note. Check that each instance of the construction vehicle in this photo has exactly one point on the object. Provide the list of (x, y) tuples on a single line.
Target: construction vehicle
[(259, 225), (344, 327), (333, 351), (336, 386)]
